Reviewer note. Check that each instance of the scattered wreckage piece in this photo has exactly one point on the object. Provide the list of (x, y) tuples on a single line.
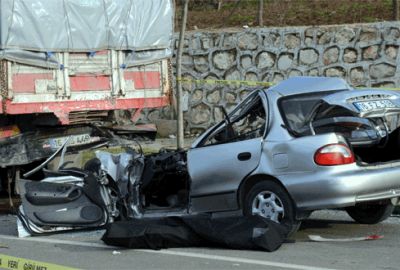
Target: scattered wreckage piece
[(255, 233), (25, 148), (136, 132), (318, 238)]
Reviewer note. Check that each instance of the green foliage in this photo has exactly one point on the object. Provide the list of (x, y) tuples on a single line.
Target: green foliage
[(369, 19), (243, 18), (357, 6), (323, 13)]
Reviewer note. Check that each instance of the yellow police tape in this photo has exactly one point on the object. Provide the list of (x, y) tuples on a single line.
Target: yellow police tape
[(9, 262), (227, 82), (263, 83)]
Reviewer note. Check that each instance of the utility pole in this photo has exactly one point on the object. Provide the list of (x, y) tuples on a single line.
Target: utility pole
[(260, 11), (179, 73)]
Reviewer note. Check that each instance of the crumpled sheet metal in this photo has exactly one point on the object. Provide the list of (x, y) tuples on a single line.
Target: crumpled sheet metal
[(254, 232), (86, 25), (117, 167)]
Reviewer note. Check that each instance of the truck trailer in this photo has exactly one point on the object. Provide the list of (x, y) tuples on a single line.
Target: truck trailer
[(67, 65)]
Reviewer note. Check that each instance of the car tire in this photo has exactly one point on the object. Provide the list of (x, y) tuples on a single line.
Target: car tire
[(370, 214), (276, 205)]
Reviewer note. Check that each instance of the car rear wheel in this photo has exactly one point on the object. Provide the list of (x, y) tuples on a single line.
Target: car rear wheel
[(269, 200), (370, 214)]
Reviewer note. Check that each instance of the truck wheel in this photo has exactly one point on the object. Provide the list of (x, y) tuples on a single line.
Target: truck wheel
[(370, 214), (269, 200)]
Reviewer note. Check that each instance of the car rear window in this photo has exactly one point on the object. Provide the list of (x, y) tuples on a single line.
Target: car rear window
[(295, 108)]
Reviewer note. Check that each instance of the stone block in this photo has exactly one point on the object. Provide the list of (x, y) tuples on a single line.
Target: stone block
[(285, 61), (325, 38), (308, 56), (233, 75), (335, 72), (230, 97), (392, 34), (197, 95), (357, 75), (218, 114), (344, 36), (308, 40), (292, 42), (214, 97), (246, 62), (167, 127), (210, 86), (294, 73), (330, 56), (278, 78), (350, 55), (188, 86), (223, 59), (248, 42), (206, 43), (195, 44), (381, 71), (371, 52), (200, 114), (367, 34), (265, 60), (201, 63), (229, 41), (154, 115), (313, 72), (391, 52)]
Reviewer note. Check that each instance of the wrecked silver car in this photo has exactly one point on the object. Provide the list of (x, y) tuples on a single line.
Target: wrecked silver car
[(305, 144)]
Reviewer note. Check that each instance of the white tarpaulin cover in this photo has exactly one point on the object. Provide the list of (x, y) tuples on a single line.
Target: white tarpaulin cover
[(86, 25)]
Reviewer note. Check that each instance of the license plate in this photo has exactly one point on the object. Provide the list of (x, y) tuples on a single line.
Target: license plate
[(75, 140), (369, 105)]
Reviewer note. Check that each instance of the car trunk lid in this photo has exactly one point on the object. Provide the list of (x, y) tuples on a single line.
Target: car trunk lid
[(366, 102)]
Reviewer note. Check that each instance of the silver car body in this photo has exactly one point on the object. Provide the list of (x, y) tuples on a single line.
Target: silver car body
[(218, 176)]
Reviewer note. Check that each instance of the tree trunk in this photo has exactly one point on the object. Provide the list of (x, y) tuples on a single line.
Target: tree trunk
[(260, 11), (179, 74), (395, 10)]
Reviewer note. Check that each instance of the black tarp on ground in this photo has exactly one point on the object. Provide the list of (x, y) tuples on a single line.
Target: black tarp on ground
[(252, 232)]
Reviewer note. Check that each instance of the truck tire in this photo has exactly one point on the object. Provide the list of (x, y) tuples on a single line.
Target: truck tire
[(370, 214), (271, 201)]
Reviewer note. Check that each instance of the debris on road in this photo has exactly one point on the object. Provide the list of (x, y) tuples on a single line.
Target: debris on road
[(253, 232), (318, 238), (116, 252)]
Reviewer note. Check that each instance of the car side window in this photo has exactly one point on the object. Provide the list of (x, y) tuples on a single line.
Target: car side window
[(247, 121)]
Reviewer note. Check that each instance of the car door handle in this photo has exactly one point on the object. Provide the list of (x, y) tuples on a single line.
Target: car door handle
[(244, 156)]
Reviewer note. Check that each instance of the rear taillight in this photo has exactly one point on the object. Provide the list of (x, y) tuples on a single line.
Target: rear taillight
[(333, 154)]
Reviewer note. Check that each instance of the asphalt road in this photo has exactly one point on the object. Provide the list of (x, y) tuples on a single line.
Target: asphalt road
[(84, 250)]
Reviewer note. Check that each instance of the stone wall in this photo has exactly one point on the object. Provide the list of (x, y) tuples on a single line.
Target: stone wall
[(363, 55)]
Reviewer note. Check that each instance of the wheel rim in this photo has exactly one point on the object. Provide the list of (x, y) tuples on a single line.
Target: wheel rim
[(269, 206)]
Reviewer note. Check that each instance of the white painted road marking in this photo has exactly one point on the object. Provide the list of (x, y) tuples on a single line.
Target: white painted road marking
[(170, 252)]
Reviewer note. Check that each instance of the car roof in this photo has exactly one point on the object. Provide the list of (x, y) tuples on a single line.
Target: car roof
[(301, 85)]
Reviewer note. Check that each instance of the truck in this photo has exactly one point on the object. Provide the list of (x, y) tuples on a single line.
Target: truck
[(67, 65)]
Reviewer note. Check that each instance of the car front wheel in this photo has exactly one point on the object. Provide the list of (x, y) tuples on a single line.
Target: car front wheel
[(271, 201), (370, 214)]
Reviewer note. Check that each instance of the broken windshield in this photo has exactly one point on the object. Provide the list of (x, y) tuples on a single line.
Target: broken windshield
[(294, 109)]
